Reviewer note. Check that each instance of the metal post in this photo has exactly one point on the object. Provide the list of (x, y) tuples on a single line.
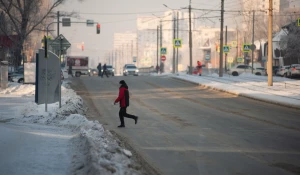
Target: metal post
[(270, 49), (131, 50), (174, 36), (57, 23), (190, 40), (225, 44), (161, 44), (59, 80), (46, 84), (237, 43), (177, 37), (221, 40), (157, 51), (252, 39)]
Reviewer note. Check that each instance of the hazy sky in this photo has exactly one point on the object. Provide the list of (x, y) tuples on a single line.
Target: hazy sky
[(96, 45)]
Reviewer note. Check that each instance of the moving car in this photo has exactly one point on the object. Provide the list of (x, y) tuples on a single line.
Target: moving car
[(294, 70), (130, 69), (242, 68), (110, 70), (282, 71), (93, 72)]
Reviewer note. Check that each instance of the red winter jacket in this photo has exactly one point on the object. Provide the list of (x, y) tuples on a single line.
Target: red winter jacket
[(123, 97)]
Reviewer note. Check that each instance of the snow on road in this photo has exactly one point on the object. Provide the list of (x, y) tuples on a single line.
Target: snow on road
[(60, 141), (284, 91)]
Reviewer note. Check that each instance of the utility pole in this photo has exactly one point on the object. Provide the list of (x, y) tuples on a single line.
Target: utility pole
[(190, 39), (177, 37), (174, 35), (221, 40), (157, 51), (253, 40), (225, 44), (270, 49)]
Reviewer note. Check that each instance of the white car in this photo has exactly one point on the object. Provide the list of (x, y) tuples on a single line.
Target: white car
[(294, 70), (242, 68), (282, 71), (130, 69)]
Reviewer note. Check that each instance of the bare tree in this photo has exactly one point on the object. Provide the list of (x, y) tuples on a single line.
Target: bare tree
[(24, 17)]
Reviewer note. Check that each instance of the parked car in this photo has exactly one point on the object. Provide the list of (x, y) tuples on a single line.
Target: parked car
[(242, 68), (262, 70), (93, 72), (282, 71), (294, 70), (130, 69), (17, 76)]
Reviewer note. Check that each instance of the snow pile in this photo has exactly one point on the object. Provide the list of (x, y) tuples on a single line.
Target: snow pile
[(284, 91), (18, 89), (100, 152)]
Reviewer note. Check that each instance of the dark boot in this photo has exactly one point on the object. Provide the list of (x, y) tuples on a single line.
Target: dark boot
[(121, 126), (136, 119)]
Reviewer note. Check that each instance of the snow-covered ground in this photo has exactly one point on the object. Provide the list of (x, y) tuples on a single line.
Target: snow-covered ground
[(284, 91), (86, 147)]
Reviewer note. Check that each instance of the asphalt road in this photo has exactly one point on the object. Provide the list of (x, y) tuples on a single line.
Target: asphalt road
[(187, 129)]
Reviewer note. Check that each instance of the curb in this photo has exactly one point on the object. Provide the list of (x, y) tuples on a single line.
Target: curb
[(242, 95)]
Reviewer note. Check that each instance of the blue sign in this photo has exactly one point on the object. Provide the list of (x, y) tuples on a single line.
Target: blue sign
[(207, 57)]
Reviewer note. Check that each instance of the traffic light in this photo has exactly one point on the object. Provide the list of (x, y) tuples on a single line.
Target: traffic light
[(98, 28)]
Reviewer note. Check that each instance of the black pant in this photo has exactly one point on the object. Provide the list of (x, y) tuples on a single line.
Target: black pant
[(104, 71), (123, 113), (99, 72)]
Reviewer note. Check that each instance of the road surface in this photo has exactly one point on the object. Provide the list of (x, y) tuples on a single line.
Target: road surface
[(187, 129)]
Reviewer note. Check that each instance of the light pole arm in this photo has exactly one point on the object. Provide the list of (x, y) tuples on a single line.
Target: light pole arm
[(49, 25)]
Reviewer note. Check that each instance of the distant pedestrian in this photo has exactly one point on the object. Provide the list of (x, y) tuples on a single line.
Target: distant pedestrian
[(104, 71), (70, 70), (99, 69), (123, 99)]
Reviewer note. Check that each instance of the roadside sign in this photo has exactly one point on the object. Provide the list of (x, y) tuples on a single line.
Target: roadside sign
[(90, 23), (226, 49), (230, 59), (60, 42), (177, 43), (134, 59), (66, 22), (163, 50), (240, 60), (253, 47), (246, 47), (163, 58), (299, 22), (207, 57), (233, 43)]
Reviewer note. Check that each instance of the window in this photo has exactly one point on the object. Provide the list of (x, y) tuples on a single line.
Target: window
[(241, 67)]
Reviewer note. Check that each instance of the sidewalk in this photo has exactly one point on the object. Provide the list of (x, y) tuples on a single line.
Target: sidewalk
[(285, 92), (60, 141)]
